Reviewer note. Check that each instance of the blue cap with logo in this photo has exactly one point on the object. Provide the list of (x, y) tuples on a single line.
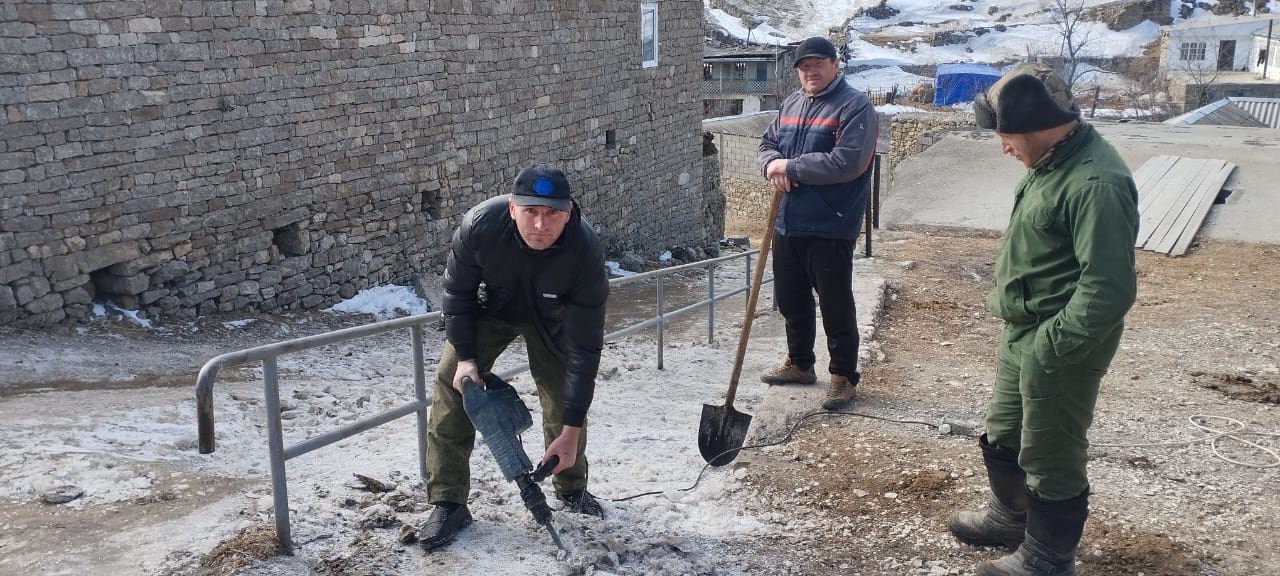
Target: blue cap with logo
[(541, 185)]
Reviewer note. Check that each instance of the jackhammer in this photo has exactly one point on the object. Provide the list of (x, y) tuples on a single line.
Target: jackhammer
[(497, 412)]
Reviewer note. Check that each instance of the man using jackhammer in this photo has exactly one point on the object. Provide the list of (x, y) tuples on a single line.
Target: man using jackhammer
[(1065, 279), (522, 264)]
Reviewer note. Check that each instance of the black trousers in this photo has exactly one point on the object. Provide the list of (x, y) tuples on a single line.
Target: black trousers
[(802, 265)]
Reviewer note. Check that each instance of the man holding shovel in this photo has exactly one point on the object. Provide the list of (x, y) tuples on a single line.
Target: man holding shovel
[(544, 279), (1065, 279), (816, 153)]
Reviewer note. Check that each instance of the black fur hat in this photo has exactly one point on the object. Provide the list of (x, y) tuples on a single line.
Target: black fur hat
[(1029, 98)]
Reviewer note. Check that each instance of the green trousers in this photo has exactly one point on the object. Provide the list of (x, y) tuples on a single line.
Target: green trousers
[(1044, 415), (451, 437)]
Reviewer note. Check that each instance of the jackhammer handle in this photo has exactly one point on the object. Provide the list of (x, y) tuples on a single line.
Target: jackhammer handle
[(544, 469)]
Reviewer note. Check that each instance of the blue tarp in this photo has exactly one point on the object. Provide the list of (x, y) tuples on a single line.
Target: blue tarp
[(956, 83)]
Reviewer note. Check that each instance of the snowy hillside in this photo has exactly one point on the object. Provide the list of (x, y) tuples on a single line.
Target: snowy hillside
[(883, 38)]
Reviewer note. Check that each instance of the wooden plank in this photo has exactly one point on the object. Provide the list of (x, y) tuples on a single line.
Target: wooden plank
[(1152, 172), (1159, 184), (1150, 194), (1202, 210), (1165, 235), (1145, 169), (1171, 189)]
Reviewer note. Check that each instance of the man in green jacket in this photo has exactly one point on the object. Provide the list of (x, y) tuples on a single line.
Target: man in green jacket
[(1065, 278)]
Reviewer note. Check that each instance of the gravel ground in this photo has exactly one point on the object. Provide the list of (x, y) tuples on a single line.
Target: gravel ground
[(1173, 493)]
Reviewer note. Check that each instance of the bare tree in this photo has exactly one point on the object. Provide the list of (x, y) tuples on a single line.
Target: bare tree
[(1067, 17), (1194, 69)]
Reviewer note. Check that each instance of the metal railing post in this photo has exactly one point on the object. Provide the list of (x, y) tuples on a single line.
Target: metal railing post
[(660, 322), (711, 303), (275, 445), (420, 392)]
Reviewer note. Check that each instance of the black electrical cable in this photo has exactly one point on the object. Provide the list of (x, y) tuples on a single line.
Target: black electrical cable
[(784, 440)]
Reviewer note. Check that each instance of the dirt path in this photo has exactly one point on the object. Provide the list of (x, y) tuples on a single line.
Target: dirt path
[(872, 496)]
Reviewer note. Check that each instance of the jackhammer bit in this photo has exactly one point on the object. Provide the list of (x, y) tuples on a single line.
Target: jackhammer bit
[(497, 412)]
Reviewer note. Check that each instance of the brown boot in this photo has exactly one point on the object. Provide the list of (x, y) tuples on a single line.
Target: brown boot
[(789, 373), (841, 391)]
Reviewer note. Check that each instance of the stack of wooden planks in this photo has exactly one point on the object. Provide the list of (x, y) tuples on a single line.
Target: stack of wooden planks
[(1174, 196)]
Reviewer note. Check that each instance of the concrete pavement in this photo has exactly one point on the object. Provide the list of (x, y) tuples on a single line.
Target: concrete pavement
[(964, 182)]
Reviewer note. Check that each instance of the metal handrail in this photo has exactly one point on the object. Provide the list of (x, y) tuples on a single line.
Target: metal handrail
[(267, 354)]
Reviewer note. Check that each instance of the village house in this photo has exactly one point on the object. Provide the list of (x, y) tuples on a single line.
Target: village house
[(1207, 60)]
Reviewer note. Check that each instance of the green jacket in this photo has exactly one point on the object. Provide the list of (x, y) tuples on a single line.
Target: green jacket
[(1066, 263)]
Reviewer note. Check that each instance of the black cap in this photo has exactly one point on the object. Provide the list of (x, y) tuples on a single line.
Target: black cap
[(815, 46), (541, 185)]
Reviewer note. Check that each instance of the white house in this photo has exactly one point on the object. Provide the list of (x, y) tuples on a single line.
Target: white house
[(1211, 46)]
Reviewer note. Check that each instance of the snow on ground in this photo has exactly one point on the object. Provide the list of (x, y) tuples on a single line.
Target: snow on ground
[(885, 79), (1016, 43), (762, 34), (115, 447), (383, 302)]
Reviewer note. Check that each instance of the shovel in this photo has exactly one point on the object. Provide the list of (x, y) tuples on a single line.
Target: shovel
[(723, 429)]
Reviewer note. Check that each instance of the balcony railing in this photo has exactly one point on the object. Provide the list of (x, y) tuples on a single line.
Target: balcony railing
[(717, 87)]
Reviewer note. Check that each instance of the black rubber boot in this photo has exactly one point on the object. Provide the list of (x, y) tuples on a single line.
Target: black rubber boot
[(442, 526), (1053, 534), (1004, 521), (582, 502)]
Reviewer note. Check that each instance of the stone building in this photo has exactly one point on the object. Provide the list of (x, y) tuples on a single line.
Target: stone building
[(186, 157)]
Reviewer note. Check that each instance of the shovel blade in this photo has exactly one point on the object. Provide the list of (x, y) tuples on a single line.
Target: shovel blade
[(721, 433)]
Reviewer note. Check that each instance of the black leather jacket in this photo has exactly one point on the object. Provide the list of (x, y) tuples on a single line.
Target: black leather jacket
[(561, 290)]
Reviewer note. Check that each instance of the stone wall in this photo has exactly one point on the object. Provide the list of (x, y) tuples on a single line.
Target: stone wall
[(738, 156), (187, 157), (747, 204), (913, 133), (1125, 14)]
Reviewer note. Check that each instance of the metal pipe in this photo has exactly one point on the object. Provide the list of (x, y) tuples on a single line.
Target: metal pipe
[(322, 440), (204, 382), (1266, 62), (275, 446), (866, 223), (420, 393), (640, 327), (661, 303), (875, 190), (711, 304)]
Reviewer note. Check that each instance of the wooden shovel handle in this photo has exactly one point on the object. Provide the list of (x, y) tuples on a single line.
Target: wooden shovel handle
[(752, 297)]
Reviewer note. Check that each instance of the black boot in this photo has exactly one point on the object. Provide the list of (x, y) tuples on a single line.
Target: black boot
[(1053, 534), (1004, 521), (442, 526), (582, 502)]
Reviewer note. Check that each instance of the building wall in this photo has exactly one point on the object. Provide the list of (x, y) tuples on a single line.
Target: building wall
[(200, 156), (1271, 68), (1211, 36), (738, 156), (1194, 96)]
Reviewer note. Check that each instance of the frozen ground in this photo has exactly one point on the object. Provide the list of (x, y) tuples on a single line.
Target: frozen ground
[(106, 417)]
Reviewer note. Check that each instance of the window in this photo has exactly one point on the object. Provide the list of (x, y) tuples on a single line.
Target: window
[(648, 35), (1191, 51)]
